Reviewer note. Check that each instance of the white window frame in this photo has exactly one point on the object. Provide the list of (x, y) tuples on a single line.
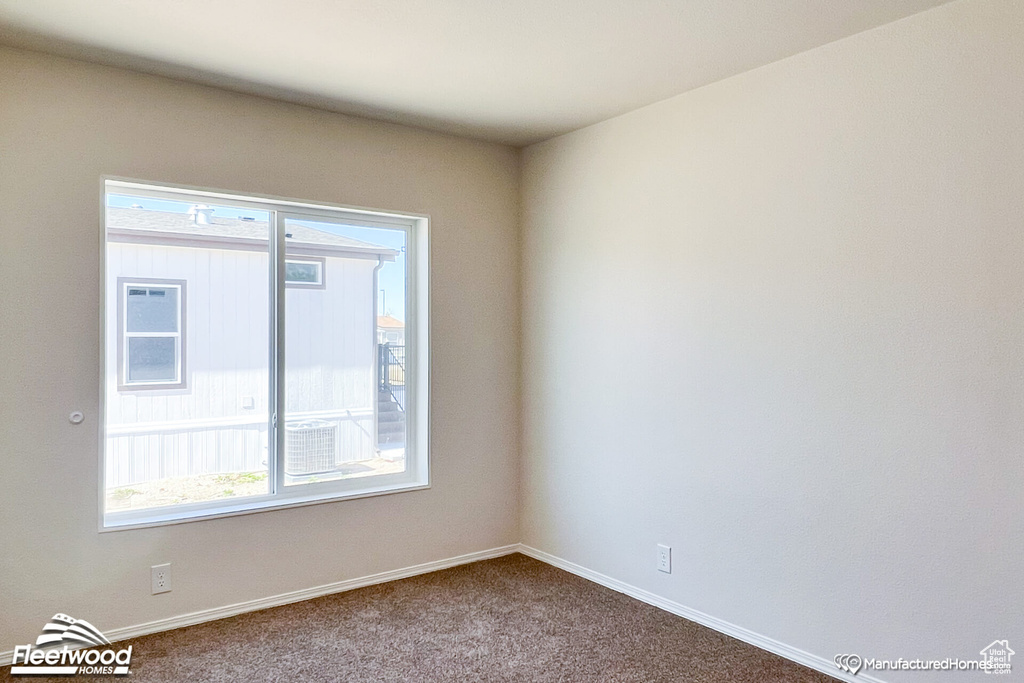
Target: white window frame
[(124, 381), (417, 458)]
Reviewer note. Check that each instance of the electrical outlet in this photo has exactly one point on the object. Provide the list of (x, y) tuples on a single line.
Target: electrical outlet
[(161, 575), (664, 559)]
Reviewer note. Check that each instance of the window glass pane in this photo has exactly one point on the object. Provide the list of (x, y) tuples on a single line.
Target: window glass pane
[(344, 402), (152, 309), (302, 272), (206, 441), (152, 359)]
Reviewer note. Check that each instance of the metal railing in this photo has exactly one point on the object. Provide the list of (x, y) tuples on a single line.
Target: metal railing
[(391, 367)]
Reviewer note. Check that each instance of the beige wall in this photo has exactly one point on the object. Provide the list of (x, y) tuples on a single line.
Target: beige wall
[(62, 125), (832, 443)]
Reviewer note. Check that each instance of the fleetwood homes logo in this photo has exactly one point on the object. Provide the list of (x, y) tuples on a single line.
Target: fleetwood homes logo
[(60, 651)]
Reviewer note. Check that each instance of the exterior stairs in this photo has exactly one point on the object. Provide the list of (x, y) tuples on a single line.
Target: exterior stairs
[(390, 422)]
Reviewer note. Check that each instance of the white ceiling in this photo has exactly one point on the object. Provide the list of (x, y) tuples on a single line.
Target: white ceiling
[(513, 71)]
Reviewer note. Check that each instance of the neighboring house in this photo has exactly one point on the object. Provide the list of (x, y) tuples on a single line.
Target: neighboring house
[(997, 656), (390, 330), (188, 377)]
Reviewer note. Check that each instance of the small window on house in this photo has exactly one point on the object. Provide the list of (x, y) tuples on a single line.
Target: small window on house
[(151, 343), (304, 272)]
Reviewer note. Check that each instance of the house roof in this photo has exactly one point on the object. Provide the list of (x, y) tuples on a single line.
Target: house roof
[(137, 224), (387, 321)]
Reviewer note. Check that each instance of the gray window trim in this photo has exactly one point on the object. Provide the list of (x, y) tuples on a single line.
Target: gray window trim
[(122, 284)]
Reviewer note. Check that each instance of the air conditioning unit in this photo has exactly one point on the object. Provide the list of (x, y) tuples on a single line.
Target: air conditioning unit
[(309, 447)]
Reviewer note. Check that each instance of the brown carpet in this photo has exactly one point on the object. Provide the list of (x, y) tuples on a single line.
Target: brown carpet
[(507, 619)]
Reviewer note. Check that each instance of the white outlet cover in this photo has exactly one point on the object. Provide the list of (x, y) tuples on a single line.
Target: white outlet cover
[(161, 578), (664, 558)]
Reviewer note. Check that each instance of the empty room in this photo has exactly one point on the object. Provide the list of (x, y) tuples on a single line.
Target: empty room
[(625, 341)]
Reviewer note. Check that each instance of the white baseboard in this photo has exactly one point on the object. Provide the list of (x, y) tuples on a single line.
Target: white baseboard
[(738, 632), (202, 616), (825, 666)]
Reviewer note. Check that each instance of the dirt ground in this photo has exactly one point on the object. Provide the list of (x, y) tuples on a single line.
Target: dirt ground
[(231, 485)]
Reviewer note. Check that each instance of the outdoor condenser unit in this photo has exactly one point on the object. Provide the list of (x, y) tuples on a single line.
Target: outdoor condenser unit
[(309, 447)]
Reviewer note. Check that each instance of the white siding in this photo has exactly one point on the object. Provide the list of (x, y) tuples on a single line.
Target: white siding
[(204, 427)]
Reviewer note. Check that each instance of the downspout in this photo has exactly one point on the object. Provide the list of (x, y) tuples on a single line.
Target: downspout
[(376, 356)]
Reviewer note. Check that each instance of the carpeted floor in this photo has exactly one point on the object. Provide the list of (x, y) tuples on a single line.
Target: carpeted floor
[(508, 619)]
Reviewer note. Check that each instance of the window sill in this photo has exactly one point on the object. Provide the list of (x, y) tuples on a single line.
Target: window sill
[(144, 519)]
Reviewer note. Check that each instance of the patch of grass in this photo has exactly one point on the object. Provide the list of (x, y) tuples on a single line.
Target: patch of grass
[(227, 492), (240, 478), (123, 493)]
